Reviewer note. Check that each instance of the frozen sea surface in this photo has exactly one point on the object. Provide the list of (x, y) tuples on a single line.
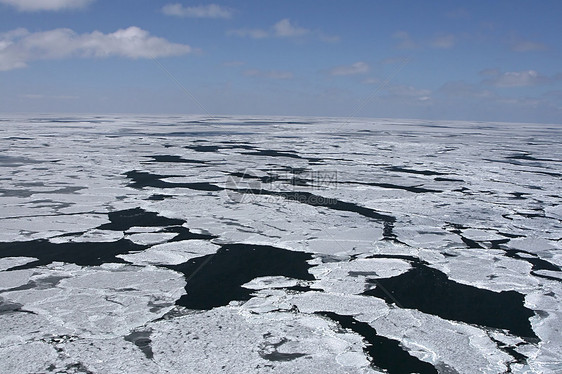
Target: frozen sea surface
[(188, 244)]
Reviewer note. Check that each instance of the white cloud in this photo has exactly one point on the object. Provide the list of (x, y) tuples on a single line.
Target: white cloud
[(356, 68), (489, 72), (201, 11), (463, 89), (284, 28), (405, 41), (249, 33), (408, 91), (372, 81), (271, 74), (328, 38), (528, 46), (520, 101), (443, 42), (517, 79), (52, 5), (19, 46), (395, 93)]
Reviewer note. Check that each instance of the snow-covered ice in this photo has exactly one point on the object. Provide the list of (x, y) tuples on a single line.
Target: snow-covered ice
[(161, 244)]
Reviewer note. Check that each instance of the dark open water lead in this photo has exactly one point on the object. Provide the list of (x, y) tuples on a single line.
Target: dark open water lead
[(385, 353), (431, 291), (223, 273)]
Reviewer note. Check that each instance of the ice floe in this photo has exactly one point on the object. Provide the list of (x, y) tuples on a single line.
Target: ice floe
[(169, 244)]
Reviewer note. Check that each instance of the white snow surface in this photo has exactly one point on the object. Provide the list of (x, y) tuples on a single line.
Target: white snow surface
[(61, 177)]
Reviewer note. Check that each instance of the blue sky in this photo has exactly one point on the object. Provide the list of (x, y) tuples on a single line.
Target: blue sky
[(477, 60)]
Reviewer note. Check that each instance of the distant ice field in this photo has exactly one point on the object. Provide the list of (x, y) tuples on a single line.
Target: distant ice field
[(190, 244)]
